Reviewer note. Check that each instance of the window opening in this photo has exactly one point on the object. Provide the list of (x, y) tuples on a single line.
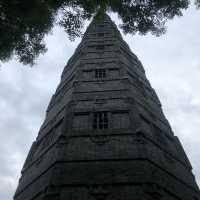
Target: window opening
[(100, 120), (100, 73)]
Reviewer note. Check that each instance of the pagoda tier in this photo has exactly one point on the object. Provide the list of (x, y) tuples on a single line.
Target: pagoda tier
[(105, 135)]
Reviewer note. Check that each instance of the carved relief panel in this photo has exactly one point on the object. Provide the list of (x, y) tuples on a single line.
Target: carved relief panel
[(120, 120), (80, 121)]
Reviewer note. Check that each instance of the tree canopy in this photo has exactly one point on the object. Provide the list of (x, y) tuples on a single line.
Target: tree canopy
[(24, 24), (197, 2)]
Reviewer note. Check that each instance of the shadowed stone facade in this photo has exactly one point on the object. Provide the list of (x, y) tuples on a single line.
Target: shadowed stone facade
[(105, 135)]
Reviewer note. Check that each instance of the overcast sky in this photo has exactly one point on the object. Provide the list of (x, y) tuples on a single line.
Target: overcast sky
[(172, 65)]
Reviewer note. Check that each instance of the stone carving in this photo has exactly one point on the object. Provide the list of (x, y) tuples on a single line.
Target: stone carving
[(139, 137), (120, 120), (99, 192), (81, 121), (100, 140), (62, 141)]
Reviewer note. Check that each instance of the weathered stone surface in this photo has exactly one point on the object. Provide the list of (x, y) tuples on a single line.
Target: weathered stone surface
[(105, 135)]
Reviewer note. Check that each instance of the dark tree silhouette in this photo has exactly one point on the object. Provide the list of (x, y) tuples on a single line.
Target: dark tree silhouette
[(197, 3), (23, 24)]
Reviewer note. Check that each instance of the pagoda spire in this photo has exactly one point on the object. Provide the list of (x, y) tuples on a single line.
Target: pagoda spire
[(105, 135)]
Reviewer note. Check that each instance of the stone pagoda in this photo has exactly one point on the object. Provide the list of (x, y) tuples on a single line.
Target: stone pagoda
[(105, 135)]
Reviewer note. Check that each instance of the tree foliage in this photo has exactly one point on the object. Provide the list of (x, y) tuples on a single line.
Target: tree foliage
[(197, 3), (23, 24)]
